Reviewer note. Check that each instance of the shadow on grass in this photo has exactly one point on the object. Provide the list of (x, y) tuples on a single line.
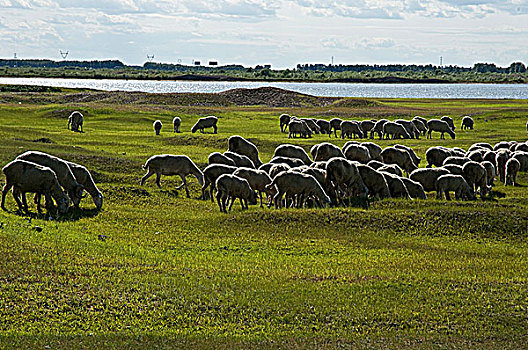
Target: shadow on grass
[(73, 214)]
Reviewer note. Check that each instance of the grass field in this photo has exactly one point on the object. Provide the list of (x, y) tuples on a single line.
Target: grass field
[(155, 269)]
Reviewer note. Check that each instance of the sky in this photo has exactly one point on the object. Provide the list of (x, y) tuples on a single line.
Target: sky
[(282, 33)]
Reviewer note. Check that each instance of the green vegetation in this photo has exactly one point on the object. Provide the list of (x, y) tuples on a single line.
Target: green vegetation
[(155, 268)]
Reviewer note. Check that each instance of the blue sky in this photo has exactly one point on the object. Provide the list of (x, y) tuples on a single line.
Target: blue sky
[(278, 32)]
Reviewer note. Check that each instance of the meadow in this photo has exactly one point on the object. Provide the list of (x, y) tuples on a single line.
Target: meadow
[(154, 269)]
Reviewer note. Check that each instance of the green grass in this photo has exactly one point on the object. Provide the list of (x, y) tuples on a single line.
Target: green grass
[(154, 268)]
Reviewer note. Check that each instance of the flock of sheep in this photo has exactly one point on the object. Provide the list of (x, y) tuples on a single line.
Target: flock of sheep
[(201, 124)]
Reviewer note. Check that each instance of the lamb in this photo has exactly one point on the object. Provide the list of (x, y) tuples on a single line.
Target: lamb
[(400, 157), (292, 151), (391, 169), (374, 150), (349, 127), (456, 183), (427, 177), (300, 185), (257, 179), (394, 131), (440, 126), (76, 120), (436, 156), (231, 187), (366, 126), (522, 157), (324, 126), (500, 163), (176, 122), (157, 126), (416, 160), (206, 122), (211, 174), (378, 128), (325, 151), (335, 124), (414, 188), (396, 186), (239, 159), (299, 128), (240, 145), (170, 164), (420, 125), (83, 177), (512, 168), (490, 172), (357, 152), (284, 120), (26, 176), (219, 158), (467, 123), (344, 176), (456, 160), (291, 162), (449, 122), (62, 171), (476, 176), (410, 127), (454, 169), (375, 181)]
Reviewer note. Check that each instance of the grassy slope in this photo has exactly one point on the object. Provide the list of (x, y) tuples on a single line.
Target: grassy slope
[(155, 267)]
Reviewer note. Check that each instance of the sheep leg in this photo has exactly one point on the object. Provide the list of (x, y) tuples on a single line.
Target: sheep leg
[(220, 200), (158, 177), (204, 187), (448, 197), (16, 194), (231, 201), (213, 187), (36, 200), (184, 184), (147, 175), (6, 189), (215, 129), (260, 196)]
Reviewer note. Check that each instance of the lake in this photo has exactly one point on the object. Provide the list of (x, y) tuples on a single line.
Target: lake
[(485, 91)]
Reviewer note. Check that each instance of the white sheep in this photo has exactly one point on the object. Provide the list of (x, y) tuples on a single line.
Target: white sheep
[(416, 160), (299, 128), (501, 157), (467, 123), (410, 127), (292, 151), (522, 157), (299, 185), (284, 120), (240, 145), (502, 145), (378, 128), (291, 162), (170, 164), (391, 169), (420, 125), (400, 157), (324, 126), (449, 121), (456, 160), (476, 176), (206, 122), (454, 169), (396, 186), (311, 122), (219, 158), (344, 178), (76, 120), (335, 124), (357, 152), (436, 156), (456, 183), (512, 168), (211, 174), (374, 150), (490, 172), (229, 187), (83, 177), (258, 180), (440, 126), (176, 122), (393, 130), (349, 127), (157, 126), (324, 151), (239, 159), (278, 168), (375, 181), (414, 188), (427, 177), (366, 126)]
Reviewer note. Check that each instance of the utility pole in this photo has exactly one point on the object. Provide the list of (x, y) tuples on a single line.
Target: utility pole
[(441, 61), (332, 60)]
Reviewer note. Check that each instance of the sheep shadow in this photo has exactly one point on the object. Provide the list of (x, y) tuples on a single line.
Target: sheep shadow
[(73, 214), (493, 196)]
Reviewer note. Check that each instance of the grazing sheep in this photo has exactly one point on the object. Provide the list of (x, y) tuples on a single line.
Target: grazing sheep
[(456, 183), (391, 169), (490, 172), (458, 152), (378, 128), (292, 151), (324, 126), (476, 176), (454, 169), (393, 130), (427, 177), (456, 160), (211, 174), (436, 156), (490, 157), (335, 124), (170, 164), (349, 127), (400, 157), (366, 126), (325, 151), (500, 163), (240, 145), (257, 179), (76, 120), (396, 186), (345, 178), (278, 168), (467, 123), (414, 188), (206, 122), (357, 152), (299, 128), (311, 124), (422, 119), (481, 145), (320, 164), (375, 181), (375, 164), (513, 145), (410, 127), (266, 167), (291, 162), (219, 158), (501, 145), (441, 127), (416, 160), (176, 122), (25, 177), (239, 159), (522, 157), (449, 121), (512, 168), (62, 171), (420, 125), (476, 155), (284, 121), (374, 150), (300, 185), (230, 187), (157, 126), (521, 147), (83, 177)]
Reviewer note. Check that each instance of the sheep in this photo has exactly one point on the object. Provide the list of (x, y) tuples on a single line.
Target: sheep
[(427, 177), (219, 158), (522, 157), (278, 168), (456, 160), (410, 127), (170, 164), (320, 164), (62, 171), (311, 124), (83, 177), (240, 145), (521, 147), (422, 119), (400, 157), (467, 123), (436, 156), (299, 128), (396, 186), (378, 128), (230, 187), (284, 120), (420, 125), (300, 185), (484, 145), (375, 181), (490, 172), (349, 127), (239, 159), (324, 126), (456, 183), (374, 150), (449, 121), (501, 145), (357, 153), (366, 126), (257, 179), (512, 167), (325, 151), (416, 160), (157, 126), (26, 176), (292, 151), (476, 176), (441, 126), (490, 157), (345, 178), (76, 120), (211, 174), (176, 122), (393, 130), (414, 188), (454, 169), (391, 169), (335, 124), (206, 122), (291, 162), (375, 164), (476, 155), (266, 167), (513, 146), (501, 158)]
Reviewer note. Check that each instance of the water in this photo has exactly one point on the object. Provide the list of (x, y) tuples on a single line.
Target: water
[(485, 91)]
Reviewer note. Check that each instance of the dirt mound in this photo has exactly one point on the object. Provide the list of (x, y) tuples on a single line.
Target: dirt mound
[(274, 97)]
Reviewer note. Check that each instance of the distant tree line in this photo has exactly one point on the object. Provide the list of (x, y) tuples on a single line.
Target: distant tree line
[(108, 64)]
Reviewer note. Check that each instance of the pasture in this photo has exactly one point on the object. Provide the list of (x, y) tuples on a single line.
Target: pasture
[(154, 268)]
